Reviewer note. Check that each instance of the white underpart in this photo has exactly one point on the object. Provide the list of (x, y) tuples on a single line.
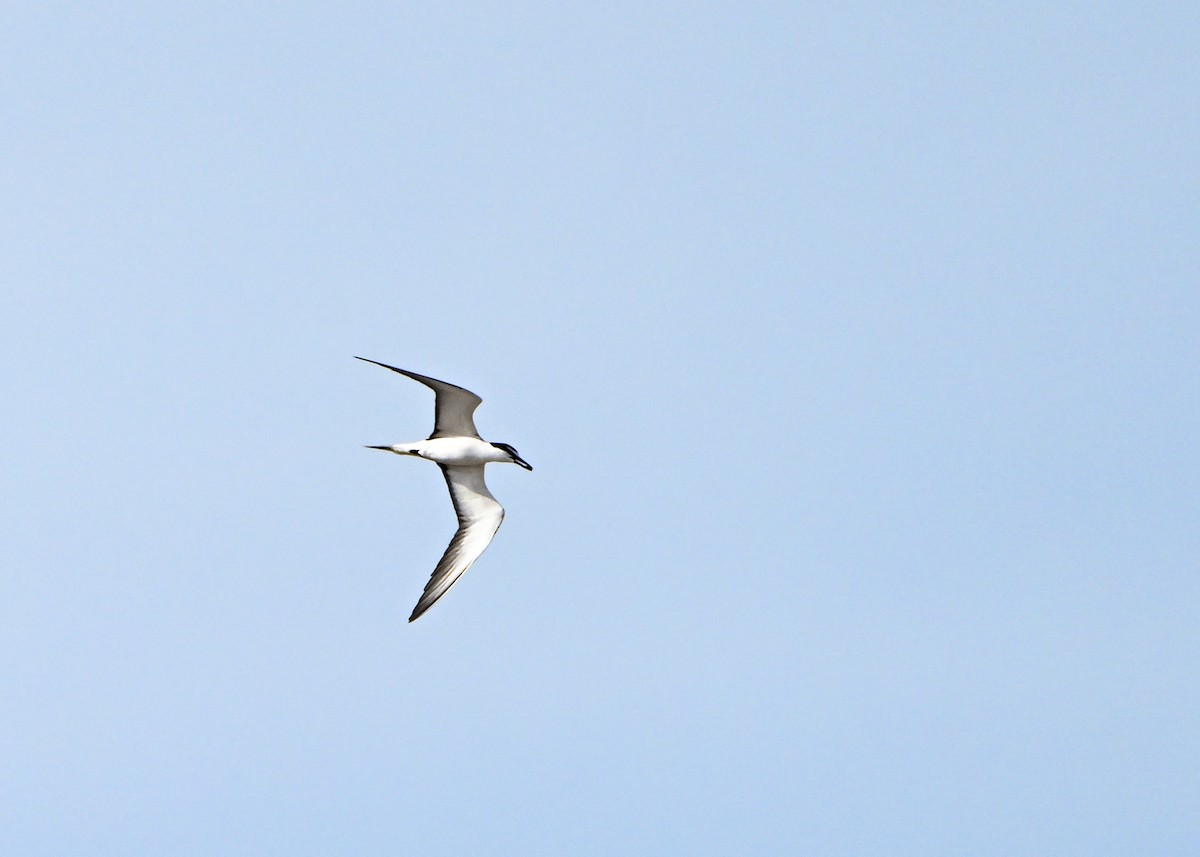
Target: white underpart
[(454, 451)]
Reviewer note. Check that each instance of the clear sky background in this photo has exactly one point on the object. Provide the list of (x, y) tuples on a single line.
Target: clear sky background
[(855, 348)]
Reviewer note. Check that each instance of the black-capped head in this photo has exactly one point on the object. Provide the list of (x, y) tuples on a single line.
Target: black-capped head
[(512, 454)]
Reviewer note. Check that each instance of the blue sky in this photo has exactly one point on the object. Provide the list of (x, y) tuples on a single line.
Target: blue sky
[(855, 350)]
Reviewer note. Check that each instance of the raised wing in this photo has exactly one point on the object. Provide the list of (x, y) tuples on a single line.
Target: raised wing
[(453, 406), (479, 516)]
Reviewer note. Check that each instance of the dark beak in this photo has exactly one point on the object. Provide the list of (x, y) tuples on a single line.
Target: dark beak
[(388, 448), (519, 460)]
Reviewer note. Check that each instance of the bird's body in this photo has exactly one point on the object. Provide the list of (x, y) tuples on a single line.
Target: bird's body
[(461, 454), (454, 451)]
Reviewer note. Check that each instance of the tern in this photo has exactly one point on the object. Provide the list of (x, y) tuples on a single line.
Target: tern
[(461, 453)]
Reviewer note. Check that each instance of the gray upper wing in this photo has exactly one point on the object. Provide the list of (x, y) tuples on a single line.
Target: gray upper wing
[(454, 407)]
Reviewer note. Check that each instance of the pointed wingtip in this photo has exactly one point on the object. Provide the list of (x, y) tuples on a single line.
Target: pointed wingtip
[(421, 608)]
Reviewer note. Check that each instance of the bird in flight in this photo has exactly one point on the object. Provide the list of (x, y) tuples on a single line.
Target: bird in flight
[(458, 450)]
